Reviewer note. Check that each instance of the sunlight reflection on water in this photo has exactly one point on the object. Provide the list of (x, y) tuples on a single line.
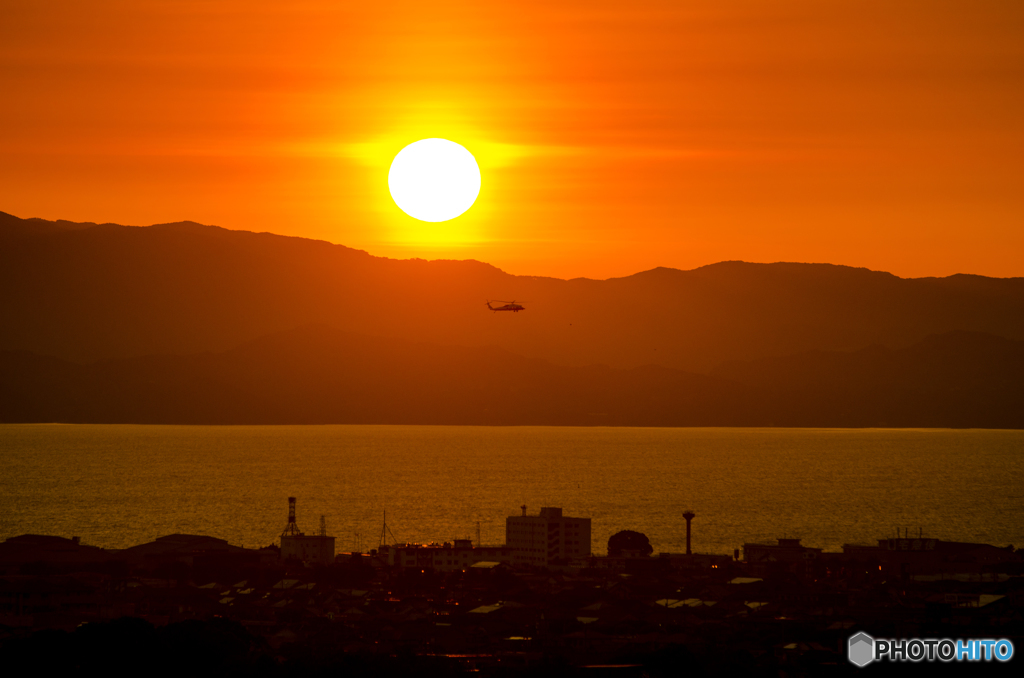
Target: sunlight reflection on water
[(116, 486)]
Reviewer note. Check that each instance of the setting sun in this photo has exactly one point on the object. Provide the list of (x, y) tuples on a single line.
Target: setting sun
[(434, 180)]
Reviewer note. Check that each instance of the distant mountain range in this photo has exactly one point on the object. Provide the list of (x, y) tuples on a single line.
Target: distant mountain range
[(184, 323), (320, 375)]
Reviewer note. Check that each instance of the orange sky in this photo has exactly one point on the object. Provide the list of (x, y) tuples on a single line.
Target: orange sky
[(612, 136)]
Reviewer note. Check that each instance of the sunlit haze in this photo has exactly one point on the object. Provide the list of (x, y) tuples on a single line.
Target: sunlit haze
[(613, 137)]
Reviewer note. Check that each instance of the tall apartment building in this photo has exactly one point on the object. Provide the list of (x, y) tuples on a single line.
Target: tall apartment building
[(543, 539)]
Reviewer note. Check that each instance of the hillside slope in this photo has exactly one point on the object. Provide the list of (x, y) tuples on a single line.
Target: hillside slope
[(89, 292)]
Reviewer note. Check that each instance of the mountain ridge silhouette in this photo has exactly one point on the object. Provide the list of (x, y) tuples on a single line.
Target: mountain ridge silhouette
[(86, 292)]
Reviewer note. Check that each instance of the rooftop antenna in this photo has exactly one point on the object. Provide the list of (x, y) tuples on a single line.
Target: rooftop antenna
[(524, 509), (385, 530), (478, 542), (291, 530), (323, 526)]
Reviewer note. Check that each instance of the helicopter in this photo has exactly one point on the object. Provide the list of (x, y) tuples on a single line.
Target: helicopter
[(509, 306)]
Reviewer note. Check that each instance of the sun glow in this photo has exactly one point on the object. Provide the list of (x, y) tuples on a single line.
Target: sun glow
[(434, 180)]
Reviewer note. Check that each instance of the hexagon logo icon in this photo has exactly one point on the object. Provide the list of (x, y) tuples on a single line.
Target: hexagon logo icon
[(861, 649)]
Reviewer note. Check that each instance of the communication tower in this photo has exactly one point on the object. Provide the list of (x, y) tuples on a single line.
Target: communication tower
[(292, 529)]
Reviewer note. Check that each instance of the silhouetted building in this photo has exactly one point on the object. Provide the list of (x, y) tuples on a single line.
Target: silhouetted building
[(317, 548), (788, 554), (57, 552), (927, 556), (309, 549), (696, 561), (543, 539), (184, 548), (446, 557)]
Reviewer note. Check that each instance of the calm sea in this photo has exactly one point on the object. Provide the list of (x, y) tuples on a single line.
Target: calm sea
[(115, 486)]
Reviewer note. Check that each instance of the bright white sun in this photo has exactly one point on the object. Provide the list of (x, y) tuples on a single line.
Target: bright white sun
[(434, 179)]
